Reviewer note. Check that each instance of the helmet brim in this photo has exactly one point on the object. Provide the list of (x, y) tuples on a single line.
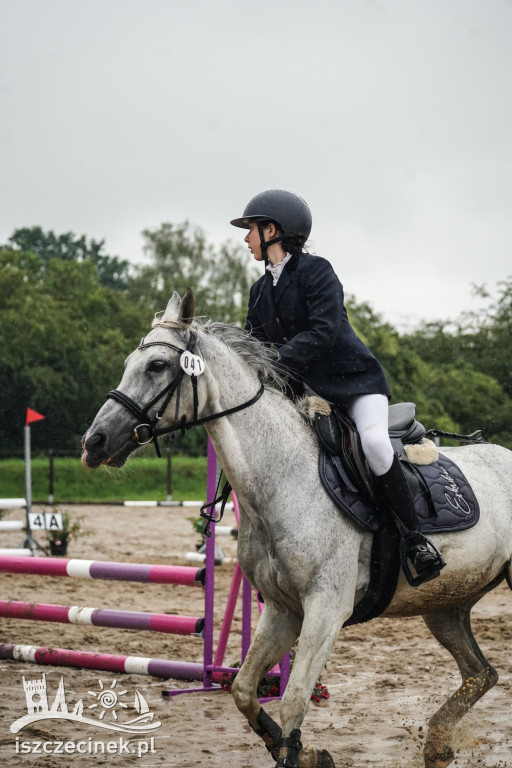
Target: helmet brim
[(243, 222)]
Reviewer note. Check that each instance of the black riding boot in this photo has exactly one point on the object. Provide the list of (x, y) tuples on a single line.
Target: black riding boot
[(425, 558)]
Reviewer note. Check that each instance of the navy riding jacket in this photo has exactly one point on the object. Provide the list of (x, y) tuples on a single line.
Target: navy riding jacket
[(304, 316)]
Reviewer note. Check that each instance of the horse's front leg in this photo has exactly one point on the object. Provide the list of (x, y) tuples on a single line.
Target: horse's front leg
[(325, 611), (275, 634)]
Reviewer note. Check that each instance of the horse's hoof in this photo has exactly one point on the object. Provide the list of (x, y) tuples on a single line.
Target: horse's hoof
[(324, 760), (438, 757), (315, 758)]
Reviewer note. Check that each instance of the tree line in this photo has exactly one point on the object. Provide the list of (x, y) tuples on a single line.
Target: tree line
[(71, 314)]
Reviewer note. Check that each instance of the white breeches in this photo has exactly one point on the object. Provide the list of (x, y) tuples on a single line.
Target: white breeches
[(370, 414)]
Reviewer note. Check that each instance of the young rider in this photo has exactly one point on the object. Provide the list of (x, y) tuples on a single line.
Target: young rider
[(298, 306)]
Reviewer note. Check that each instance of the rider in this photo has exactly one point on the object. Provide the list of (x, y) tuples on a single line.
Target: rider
[(297, 305)]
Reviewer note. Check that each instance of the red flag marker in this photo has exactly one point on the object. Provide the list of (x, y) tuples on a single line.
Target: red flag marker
[(33, 416)]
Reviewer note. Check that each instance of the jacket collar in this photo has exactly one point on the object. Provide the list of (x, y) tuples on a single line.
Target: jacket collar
[(267, 289), (285, 278)]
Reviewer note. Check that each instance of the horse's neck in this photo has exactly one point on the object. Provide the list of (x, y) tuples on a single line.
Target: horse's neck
[(252, 443)]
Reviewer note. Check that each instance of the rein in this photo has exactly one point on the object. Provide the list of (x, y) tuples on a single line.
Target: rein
[(148, 424), (198, 422)]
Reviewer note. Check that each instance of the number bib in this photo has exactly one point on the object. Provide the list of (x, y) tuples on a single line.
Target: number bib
[(193, 365)]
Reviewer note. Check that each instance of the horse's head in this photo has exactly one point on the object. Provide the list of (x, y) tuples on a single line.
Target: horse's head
[(164, 371)]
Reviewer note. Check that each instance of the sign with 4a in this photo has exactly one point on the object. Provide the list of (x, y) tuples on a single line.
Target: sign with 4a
[(45, 521)]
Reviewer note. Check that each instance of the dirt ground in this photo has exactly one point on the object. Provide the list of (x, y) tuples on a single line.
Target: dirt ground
[(385, 679)]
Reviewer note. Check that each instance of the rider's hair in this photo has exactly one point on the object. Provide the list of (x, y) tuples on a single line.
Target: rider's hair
[(293, 244)]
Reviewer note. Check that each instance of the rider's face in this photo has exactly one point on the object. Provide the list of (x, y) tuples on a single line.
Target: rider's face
[(253, 239)]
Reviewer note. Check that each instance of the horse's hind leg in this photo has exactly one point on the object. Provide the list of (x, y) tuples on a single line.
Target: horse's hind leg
[(452, 628)]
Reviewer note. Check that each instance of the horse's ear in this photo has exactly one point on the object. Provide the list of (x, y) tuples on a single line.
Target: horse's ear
[(187, 307), (173, 307)]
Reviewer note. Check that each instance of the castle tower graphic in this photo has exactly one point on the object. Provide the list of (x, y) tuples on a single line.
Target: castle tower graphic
[(35, 693), (59, 705)]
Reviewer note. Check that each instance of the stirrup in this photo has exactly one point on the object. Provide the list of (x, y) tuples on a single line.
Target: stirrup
[(430, 572)]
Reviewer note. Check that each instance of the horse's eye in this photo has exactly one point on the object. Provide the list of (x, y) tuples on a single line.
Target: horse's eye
[(156, 366)]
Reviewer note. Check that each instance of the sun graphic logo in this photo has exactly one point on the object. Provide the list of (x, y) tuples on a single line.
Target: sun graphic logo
[(107, 705), (108, 700)]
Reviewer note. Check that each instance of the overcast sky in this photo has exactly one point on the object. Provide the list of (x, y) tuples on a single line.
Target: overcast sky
[(392, 118)]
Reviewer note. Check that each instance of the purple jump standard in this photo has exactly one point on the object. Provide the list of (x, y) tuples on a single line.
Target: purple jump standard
[(102, 617), (101, 569)]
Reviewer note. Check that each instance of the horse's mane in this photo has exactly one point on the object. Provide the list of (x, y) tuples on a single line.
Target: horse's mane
[(258, 356)]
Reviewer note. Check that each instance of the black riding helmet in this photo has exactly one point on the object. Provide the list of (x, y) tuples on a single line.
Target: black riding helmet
[(290, 212)]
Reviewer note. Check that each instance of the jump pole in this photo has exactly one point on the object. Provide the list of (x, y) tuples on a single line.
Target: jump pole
[(102, 617), (105, 662), (184, 575)]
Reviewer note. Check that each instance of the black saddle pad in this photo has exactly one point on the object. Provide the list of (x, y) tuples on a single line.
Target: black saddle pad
[(443, 498)]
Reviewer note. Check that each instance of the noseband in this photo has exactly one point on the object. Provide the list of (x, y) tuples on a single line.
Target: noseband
[(148, 423)]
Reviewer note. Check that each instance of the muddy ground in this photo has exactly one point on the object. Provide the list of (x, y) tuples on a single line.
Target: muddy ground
[(385, 679)]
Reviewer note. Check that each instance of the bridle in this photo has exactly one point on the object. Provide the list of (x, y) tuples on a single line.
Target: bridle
[(146, 428)]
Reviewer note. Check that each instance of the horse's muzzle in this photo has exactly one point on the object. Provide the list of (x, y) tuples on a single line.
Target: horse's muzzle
[(99, 449), (95, 450)]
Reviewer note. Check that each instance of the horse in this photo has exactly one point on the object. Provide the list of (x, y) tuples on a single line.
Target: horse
[(309, 562)]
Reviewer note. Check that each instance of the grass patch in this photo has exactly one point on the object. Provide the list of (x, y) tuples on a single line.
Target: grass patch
[(142, 478)]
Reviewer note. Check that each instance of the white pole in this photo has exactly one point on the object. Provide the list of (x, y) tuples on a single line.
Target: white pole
[(29, 541), (28, 471)]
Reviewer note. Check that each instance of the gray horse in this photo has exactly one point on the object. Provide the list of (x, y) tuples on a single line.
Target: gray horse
[(310, 563)]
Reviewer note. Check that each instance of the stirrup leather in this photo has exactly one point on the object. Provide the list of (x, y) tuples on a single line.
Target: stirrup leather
[(338, 434)]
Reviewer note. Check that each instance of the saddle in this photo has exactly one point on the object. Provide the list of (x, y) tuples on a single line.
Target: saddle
[(443, 498), (339, 437)]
